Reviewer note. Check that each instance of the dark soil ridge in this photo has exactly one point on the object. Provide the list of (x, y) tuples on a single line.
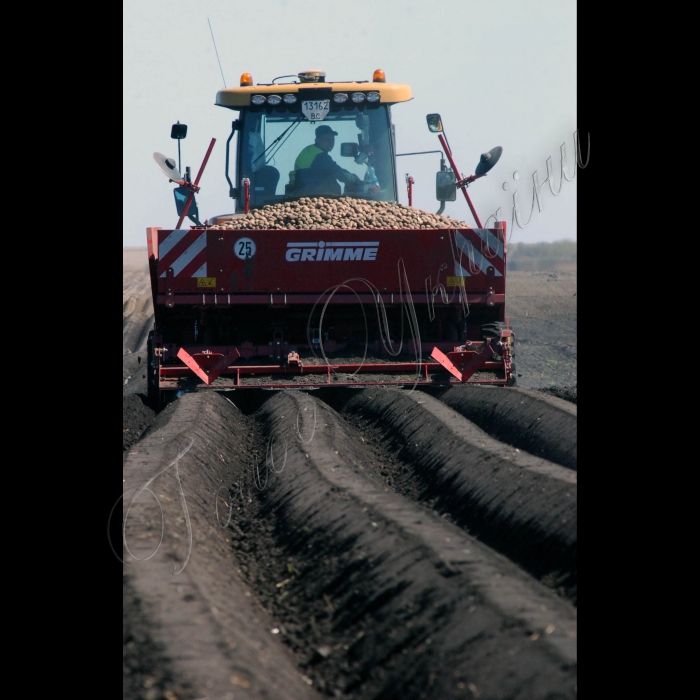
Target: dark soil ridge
[(213, 636), (521, 505), (568, 393), (424, 610), (137, 319), (136, 419), (147, 672), (543, 425)]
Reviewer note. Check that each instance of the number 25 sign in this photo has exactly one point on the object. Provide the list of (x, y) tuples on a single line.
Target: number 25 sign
[(244, 248)]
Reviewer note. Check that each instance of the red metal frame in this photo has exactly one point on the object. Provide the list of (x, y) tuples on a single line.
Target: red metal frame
[(279, 300), (178, 371), (462, 362), (201, 268), (225, 386), (171, 377), (409, 187)]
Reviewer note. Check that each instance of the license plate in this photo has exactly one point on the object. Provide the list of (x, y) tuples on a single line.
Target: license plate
[(315, 110)]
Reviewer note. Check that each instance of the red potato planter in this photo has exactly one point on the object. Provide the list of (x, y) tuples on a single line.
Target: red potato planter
[(324, 278)]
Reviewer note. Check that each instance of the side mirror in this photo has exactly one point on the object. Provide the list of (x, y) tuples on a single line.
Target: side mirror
[(434, 122), (445, 189), (488, 160), (349, 149), (179, 131)]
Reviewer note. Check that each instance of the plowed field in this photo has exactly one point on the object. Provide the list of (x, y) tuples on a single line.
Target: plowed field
[(359, 543)]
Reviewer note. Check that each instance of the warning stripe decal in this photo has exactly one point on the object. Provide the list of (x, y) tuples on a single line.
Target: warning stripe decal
[(490, 240), (474, 258), (175, 245), (185, 254), (171, 241), (192, 260)]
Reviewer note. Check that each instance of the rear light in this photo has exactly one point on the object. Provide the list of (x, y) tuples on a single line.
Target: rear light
[(358, 97), (340, 97), (274, 99), (378, 76), (289, 98), (246, 79), (258, 99), (372, 97)]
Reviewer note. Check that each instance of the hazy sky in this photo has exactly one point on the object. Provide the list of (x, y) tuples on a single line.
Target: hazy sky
[(500, 72)]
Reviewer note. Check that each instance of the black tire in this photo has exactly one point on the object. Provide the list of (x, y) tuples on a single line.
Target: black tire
[(490, 330)]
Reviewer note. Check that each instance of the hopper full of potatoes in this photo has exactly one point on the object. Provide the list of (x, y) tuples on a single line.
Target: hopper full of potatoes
[(333, 213)]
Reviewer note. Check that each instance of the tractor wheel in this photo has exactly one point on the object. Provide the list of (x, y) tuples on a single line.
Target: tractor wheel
[(490, 330)]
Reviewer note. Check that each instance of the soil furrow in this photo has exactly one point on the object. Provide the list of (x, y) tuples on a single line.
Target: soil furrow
[(418, 609), (204, 618), (147, 672), (134, 324), (362, 565), (518, 504), (542, 425)]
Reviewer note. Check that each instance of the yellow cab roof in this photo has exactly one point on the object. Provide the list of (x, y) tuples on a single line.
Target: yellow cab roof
[(389, 93)]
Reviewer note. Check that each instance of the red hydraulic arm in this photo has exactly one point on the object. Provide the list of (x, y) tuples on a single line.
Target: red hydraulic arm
[(194, 186), (462, 184)]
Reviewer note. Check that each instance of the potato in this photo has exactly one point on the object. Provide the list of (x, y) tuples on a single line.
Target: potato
[(347, 213)]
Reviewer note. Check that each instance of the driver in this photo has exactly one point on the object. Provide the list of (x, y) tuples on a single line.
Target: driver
[(315, 172)]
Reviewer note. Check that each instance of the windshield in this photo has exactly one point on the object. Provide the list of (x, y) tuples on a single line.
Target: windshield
[(347, 154)]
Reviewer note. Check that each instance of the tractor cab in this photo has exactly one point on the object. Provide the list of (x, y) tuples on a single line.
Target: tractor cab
[(308, 138)]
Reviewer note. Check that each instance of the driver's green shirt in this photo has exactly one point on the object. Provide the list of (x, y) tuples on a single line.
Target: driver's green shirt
[(306, 157)]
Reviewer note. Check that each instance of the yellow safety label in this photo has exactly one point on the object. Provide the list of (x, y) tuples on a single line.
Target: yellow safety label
[(206, 281), (455, 281)]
